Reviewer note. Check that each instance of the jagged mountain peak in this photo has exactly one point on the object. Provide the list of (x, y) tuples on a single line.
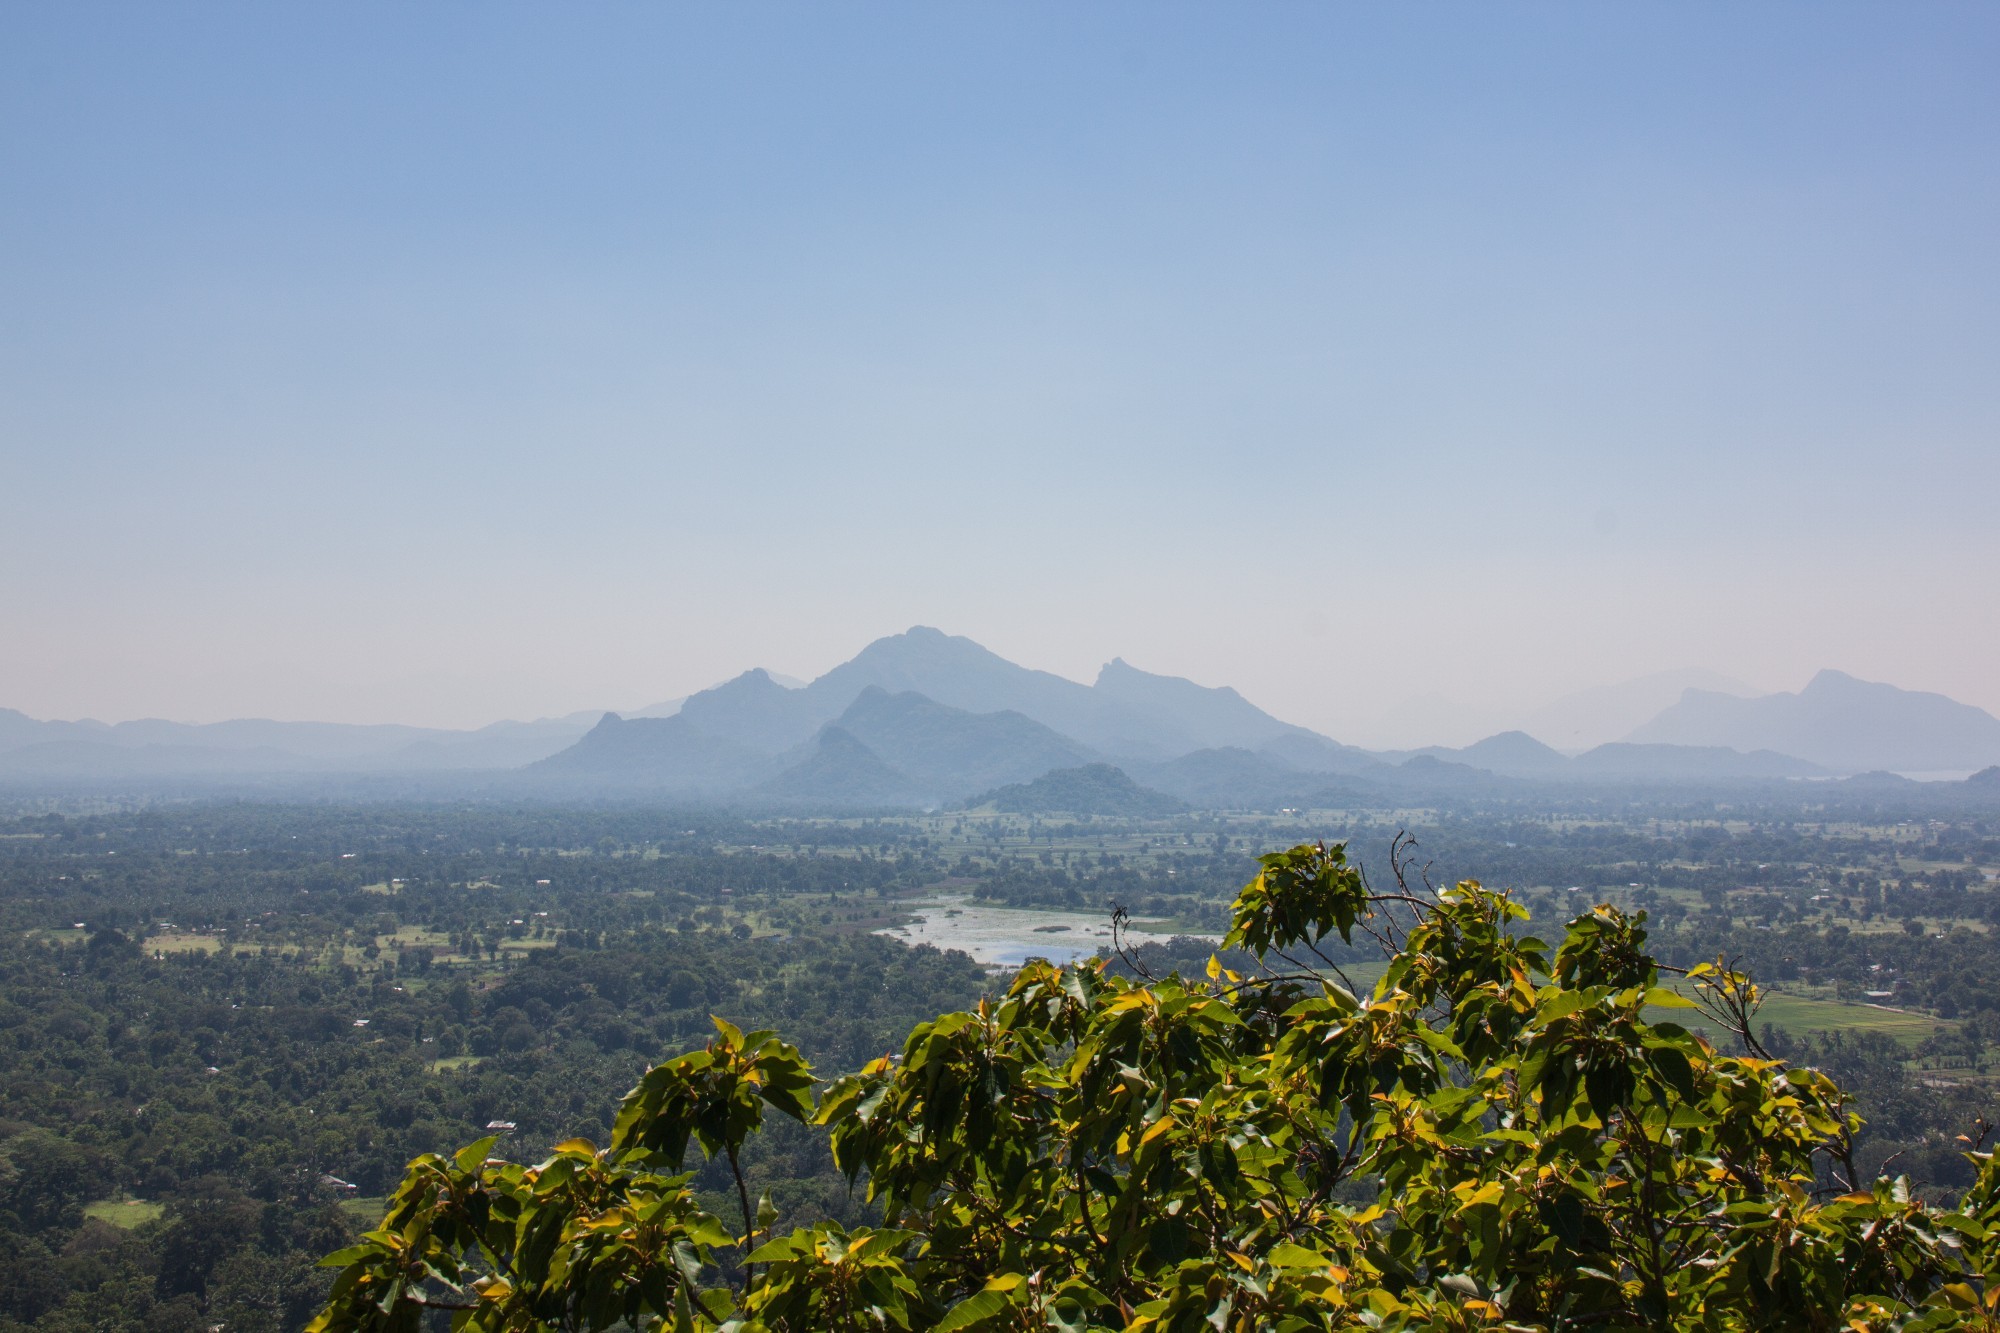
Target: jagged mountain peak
[(754, 710), (1127, 714), (1119, 675)]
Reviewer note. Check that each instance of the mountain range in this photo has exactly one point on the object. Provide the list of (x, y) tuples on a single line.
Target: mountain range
[(1604, 713), (29, 747), (1837, 722), (929, 719), (934, 719)]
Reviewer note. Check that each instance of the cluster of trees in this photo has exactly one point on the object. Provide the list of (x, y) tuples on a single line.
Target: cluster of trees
[(1495, 1137), (1953, 973), (1199, 886), (243, 1095)]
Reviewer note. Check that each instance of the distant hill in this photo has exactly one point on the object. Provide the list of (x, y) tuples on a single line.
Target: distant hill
[(950, 752), (1878, 778), (1513, 754), (1310, 752), (655, 753), (1194, 716), (96, 759), (302, 740), (153, 746), (1094, 789), (1589, 718), (839, 771), (1229, 777), (1430, 773), (1687, 763), (1519, 756), (496, 746), (1839, 723), (756, 712)]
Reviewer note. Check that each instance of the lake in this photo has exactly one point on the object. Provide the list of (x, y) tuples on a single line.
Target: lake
[(1009, 936)]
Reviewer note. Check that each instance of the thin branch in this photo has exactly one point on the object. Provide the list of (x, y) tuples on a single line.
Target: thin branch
[(1351, 988), (1307, 971), (749, 1221), (1120, 923)]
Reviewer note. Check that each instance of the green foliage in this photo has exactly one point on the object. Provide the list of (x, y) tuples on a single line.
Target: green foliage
[(1495, 1137), (605, 1240), (716, 1094), (822, 1277), (1297, 898)]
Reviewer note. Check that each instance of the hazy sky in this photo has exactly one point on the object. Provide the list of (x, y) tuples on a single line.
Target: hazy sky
[(439, 363)]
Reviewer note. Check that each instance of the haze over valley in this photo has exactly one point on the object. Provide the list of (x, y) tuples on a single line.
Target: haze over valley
[(924, 718), (912, 668)]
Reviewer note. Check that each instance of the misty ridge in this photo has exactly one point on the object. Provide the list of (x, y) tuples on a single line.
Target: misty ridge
[(924, 719)]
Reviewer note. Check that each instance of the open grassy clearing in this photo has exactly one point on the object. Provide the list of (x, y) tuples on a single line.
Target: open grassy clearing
[(365, 1211), (174, 941), (1799, 1014), (414, 937), (125, 1214)]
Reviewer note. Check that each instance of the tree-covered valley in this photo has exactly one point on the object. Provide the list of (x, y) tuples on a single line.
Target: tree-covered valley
[(225, 1029)]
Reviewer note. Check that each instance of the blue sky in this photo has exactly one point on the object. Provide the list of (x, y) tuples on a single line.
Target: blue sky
[(1404, 366)]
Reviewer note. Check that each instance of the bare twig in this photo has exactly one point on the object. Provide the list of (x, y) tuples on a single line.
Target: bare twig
[(1306, 971), (1121, 922)]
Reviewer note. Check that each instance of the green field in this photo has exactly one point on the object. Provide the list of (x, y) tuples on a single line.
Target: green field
[(124, 1213), (1797, 1014), (181, 942), (365, 1211)]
